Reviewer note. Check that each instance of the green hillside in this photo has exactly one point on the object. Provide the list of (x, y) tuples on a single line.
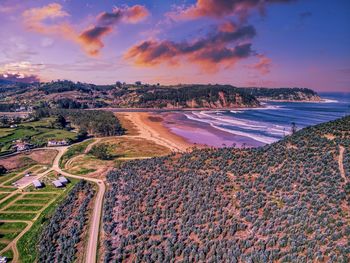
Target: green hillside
[(285, 202)]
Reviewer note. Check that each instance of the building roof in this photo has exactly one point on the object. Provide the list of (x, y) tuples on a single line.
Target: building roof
[(57, 183), (62, 179), (37, 183)]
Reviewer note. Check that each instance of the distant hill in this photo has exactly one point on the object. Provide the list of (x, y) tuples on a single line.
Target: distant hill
[(67, 94), (284, 94), (284, 202)]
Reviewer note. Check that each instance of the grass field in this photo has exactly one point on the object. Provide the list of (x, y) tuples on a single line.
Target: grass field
[(7, 189), (44, 122), (34, 196), (9, 200), (24, 208), (30, 239), (17, 216), (6, 132), (3, 195), (31, 201), (35, 205), (74, 150), (8, 254), (36, 133), (9, 230), (121, 149)]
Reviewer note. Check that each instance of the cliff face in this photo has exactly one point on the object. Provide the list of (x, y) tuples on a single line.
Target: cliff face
[(217, 100)]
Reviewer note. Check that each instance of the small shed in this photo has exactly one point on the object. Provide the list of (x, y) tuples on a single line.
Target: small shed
[(37, 184), (63, 180), (57, 184)]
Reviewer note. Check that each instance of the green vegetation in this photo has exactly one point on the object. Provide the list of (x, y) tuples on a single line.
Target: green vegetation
[(61, 236), (17, 216), (95, 122), (35, 134), (9, 230), (31, 201), (8, 254), (7, 189), (39, 196), (143, 95), (30, 239), (284, 202), (295, 94), (101, 151), (23, 208), (9, 200), (74, 150)]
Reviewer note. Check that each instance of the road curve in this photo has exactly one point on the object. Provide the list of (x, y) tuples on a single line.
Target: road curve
[(91, 254)]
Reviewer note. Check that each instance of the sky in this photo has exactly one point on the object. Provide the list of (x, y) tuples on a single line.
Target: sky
[(269, 43)]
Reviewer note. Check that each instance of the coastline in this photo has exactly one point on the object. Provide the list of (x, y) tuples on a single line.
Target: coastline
[(150, 127)]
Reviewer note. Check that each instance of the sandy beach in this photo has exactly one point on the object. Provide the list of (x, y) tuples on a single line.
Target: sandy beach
[(150, 127)]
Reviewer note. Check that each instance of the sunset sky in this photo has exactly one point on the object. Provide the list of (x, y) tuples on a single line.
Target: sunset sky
[(272, 43)]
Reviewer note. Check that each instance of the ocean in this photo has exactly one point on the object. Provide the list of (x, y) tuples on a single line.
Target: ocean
[(257, 126)]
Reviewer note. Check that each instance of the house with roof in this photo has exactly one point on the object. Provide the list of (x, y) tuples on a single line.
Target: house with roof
[(53, 143), (63, 180), (57, 184), (37, 184), (21, 146)]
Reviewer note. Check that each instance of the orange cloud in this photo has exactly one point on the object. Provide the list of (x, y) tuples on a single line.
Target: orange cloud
[(209, 53), (221, 8), (89, 39), (263, 65)]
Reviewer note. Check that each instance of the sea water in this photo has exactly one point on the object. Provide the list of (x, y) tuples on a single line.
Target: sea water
[(259, 126)]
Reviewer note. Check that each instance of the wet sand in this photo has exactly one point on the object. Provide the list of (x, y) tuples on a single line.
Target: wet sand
[(150, 126)]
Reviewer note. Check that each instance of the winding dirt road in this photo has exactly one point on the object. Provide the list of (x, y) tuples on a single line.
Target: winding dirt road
[(94, 229)]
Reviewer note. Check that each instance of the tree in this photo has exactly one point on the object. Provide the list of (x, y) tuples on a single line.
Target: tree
[(3, 170), (60, 121), (82, 135), (101, 151)]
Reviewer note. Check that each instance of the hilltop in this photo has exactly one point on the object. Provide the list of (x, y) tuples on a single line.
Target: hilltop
[(286, 202), (67, 94)]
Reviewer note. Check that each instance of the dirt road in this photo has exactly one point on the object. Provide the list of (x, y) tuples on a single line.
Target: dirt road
[(340, 162), (94, 229)]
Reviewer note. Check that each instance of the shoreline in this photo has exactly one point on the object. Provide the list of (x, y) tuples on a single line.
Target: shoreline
[(151, 127)]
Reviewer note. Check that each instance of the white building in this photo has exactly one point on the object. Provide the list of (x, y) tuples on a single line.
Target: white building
[(57, 184), (63, 180), (37, 184), (53, 143)]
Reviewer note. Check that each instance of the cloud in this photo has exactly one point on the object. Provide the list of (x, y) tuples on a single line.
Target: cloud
[(90, 39), (225, 47), (263, 65), (221, 8), (19, 77), (35, 18), (23, 71)]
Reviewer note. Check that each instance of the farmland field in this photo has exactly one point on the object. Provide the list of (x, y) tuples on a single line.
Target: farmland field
[(36, 133)]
